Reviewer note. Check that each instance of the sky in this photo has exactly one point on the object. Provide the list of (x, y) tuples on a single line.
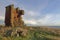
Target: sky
[(37, 12)]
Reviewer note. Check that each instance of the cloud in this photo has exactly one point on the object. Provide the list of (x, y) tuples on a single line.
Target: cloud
[(1, 18), (32, 22), (40, 21), (29, 14), (47, 20)]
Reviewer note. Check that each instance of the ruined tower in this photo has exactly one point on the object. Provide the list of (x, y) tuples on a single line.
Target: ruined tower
[(13, 16)]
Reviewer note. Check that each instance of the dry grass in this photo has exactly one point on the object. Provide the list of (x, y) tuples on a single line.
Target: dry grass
[(39, 33)]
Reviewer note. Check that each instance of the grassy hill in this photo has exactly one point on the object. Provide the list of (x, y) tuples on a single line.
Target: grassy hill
[(35, 33)]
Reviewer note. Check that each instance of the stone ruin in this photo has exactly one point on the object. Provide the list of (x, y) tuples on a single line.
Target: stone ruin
[(13, 16)]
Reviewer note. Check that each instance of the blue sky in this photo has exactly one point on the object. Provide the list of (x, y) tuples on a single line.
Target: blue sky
[(37, 12)]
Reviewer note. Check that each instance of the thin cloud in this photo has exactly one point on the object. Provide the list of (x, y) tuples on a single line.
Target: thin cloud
[(1, 18), (46, 20)]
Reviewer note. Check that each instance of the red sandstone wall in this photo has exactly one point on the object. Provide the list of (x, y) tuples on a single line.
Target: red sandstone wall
[(7, 16), (13, 16)]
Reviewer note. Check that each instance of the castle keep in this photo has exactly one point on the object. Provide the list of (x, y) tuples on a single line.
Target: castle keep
[(13, 16)]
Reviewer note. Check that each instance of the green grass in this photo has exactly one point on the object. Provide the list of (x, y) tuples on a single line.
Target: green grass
[(36, 34)]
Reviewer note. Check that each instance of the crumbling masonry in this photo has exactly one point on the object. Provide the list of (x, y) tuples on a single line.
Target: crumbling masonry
[(13, 16)]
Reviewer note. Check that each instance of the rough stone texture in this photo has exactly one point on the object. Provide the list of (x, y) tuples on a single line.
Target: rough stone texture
[(13, 16)]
